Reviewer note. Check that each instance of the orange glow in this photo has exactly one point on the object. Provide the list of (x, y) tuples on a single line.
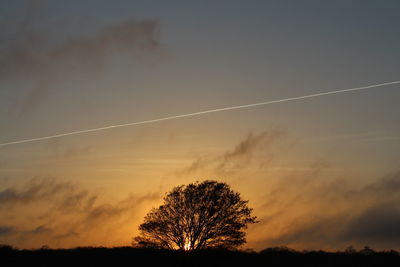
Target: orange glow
[(187, 246)]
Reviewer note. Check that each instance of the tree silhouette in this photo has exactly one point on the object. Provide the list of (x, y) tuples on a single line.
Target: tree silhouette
[(197, 216)]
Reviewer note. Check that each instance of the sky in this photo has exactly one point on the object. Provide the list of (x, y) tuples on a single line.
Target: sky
[(320, 173)]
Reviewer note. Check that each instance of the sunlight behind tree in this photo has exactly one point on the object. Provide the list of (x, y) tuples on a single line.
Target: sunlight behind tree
[(197, 216)]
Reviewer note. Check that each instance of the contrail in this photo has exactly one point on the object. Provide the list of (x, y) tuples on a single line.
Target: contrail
[(198, 113)]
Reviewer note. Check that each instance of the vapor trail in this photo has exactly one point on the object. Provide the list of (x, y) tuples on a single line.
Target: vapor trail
[(199, 113)]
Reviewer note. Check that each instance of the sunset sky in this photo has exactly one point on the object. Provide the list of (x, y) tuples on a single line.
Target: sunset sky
[(320, 173)]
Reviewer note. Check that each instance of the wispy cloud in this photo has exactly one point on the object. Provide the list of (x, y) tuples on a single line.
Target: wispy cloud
[(308, 208), (6, 230), (333, 215), (378, 224), (36, 189), (31, 53), (67, 213), (240, 155)]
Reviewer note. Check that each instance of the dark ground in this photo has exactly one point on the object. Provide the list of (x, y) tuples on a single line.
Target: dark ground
[(128, 256)]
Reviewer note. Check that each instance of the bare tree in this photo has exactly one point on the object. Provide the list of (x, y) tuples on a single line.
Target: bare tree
[(197, 216)]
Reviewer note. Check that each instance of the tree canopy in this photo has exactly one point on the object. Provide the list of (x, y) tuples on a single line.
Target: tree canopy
[(197, 216)]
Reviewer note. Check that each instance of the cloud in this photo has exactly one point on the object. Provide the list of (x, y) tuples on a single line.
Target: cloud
[(18, 233), (122, 37), (6, 230), (30, 14), (36, 95), (36, 189), (109, 211), (313, 207), (377, 225), (242, 154), (332, 215), (33, 54), (41, 229), (70, 234), (251, 142), (79, 200), (32, 51), (65, 214), (314, 233), (77, 151), (11, 230), (388, 186), (58, 150)]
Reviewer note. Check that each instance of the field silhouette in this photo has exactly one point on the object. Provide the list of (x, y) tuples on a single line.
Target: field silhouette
[(129, 256)]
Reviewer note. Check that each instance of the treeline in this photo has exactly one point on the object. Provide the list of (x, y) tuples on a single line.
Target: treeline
[(129, 256)]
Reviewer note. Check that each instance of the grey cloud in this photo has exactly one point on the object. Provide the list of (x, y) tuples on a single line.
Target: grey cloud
[(21, 233), (77, 151), (22, 52), (103, 211), (41, 90), (70, 234), (37, 189), (64, 196), (312, 208), (367, 216), (388, 186), (10, 230), (58, 150), (315, 233), (196, 165), (31, 12), (121, 37), (241, 154), (7, 230), (79, 200), (30, 53), (104, 218), (65, 212), (41, 229), (67, 197), (107, 211), (377, 225), (251, 142)]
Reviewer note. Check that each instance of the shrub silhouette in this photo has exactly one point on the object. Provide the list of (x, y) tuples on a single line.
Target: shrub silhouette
[(197, 216)]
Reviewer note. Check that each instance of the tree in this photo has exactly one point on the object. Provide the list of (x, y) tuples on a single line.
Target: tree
[(197, 216)]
